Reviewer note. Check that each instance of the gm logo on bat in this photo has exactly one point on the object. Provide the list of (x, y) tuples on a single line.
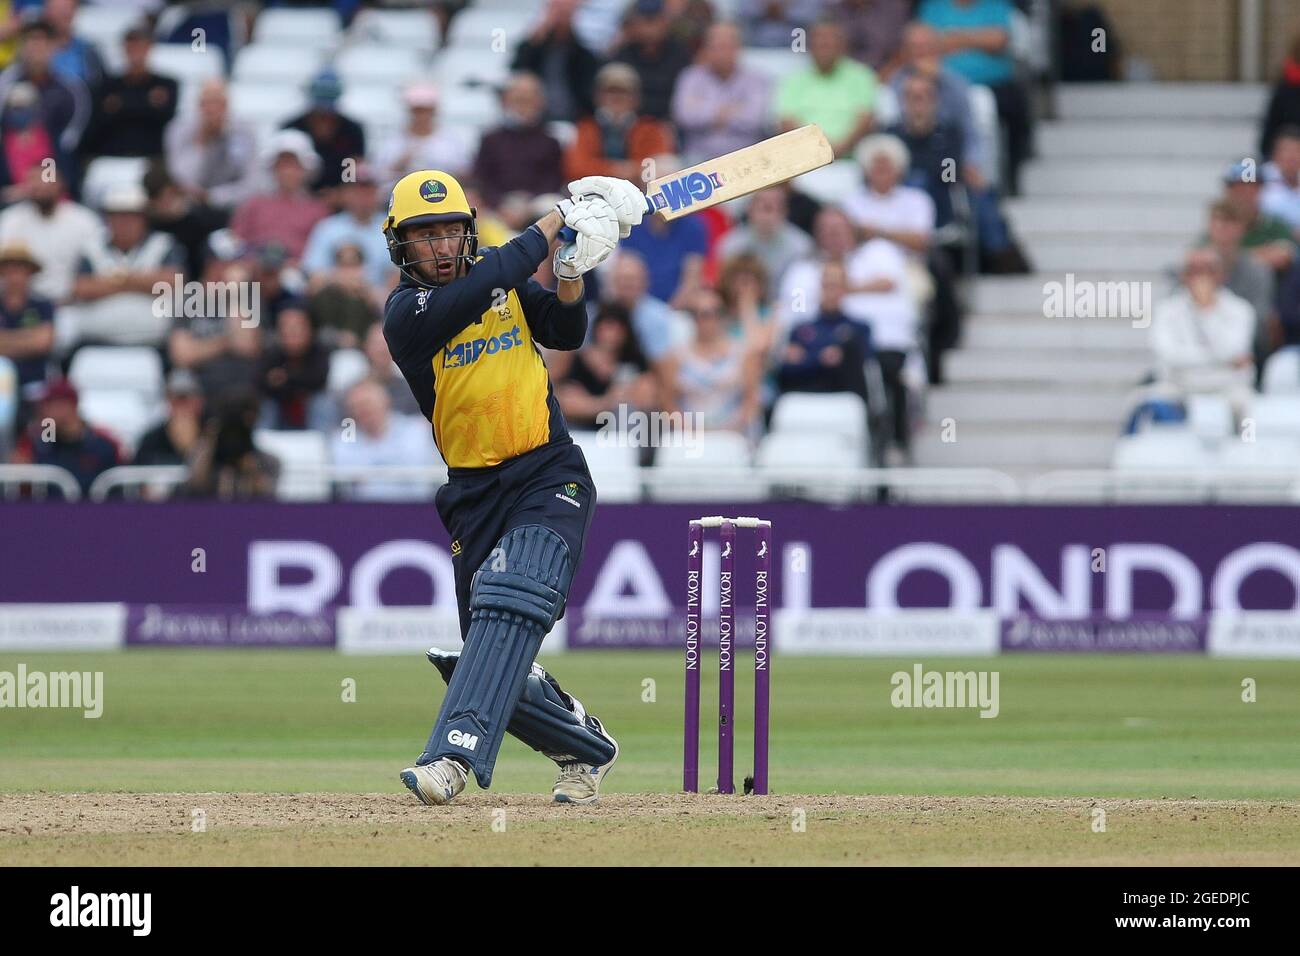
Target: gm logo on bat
[(686, 191)]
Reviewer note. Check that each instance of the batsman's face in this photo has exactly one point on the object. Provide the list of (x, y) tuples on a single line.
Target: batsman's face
[(441, 243)]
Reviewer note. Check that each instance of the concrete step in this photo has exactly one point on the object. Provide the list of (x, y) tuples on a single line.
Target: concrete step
[(1192, 180), (1102, 407), (1036, 332), (1053, 253), (1121, 370), (1105, 217), (1146, 138), (1162, 101), (1025, 295), (997, 446)]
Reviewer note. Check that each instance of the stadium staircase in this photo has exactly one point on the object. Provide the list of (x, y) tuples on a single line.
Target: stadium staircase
[(1118, 191)]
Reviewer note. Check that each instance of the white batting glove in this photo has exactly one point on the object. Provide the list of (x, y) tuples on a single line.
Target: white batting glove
[(576, 258), (590, 216), (627, 201)]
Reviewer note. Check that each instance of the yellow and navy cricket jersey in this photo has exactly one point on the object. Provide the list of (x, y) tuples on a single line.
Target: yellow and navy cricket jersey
[(468, 351)]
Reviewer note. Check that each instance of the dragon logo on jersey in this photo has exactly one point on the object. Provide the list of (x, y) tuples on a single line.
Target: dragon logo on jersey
[(467, 353)]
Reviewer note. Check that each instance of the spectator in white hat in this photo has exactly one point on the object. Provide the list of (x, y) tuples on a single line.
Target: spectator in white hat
[(114, 289), (287, 213), (424, 143)]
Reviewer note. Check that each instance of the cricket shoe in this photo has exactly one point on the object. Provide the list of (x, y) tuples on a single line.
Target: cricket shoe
[(435, 783), (580, 782)]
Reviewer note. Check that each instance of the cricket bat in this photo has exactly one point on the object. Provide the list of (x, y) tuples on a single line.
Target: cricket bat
[(769, 163)]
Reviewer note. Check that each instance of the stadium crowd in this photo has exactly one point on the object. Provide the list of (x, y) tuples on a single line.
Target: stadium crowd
[(715, 314), (1236, 302)]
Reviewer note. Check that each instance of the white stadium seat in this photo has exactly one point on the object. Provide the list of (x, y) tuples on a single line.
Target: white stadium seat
[(1172, 448), (105, 26), (615, 470), (118, 368), (313, 29), (1260, 455), (715, 467), (1175, 449), (1210, 417), (106, 172), (377, 107), (1282, 372), (1274, 416), (816, 452), (468, 68), (266, 105), (474, 106), (840, 414), (1261, 470), (805, 463), (123, 414), (347, 367), (379, 64), (417, 29), (285, 65), (487, 32), (185, 65), (302, 455)]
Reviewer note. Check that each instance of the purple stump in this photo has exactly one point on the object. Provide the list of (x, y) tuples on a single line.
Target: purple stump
[(691, 747), (726, 670), (762, 658)]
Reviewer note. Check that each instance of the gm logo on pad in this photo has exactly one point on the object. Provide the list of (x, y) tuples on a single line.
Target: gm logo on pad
[(432, 191), (459, 738)]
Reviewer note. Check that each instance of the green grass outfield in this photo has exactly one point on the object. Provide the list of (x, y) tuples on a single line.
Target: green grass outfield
[(1070, 726)]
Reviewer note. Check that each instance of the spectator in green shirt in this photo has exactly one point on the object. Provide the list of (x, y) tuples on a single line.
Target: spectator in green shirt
[(1267, 238), (836, 92)]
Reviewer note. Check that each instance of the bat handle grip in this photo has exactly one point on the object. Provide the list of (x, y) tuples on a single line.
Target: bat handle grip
[(566, 233)]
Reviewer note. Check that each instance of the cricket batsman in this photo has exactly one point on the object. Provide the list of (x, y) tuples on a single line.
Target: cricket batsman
[(464, 326)]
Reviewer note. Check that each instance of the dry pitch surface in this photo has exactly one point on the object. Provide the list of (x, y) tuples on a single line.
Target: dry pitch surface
[(284, 769), (638, 829)]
